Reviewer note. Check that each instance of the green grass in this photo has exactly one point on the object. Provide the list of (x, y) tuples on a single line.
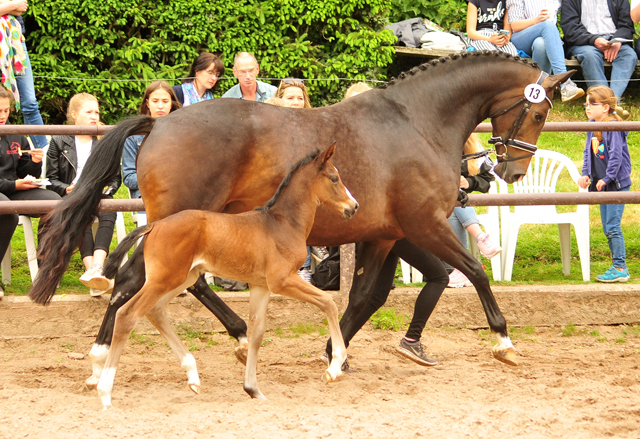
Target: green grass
[(389, 319), (537, 259)]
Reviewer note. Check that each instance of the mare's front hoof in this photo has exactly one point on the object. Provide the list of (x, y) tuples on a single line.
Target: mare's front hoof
[(507, 356), (195, 388), (255, 393), (241, 353)]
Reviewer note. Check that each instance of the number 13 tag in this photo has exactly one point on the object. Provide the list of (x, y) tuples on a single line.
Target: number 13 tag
[(535, 93)]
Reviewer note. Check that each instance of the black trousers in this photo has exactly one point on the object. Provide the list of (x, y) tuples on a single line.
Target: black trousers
[(8, 222)]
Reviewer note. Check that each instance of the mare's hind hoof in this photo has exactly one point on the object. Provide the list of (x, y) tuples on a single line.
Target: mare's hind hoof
[(241, 353), (506, 356), (195, 388)]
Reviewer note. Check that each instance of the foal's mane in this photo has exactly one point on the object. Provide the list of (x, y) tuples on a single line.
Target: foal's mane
[(285, 182), (490, 55)]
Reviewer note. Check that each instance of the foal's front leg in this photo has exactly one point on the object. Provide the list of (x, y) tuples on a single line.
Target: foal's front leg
[(258, 301)]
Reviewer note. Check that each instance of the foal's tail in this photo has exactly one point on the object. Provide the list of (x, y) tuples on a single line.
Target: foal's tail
[(65, 225), (115, 258)]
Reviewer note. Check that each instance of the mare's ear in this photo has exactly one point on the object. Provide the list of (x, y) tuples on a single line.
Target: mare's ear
[(553, 81), (325, 156)]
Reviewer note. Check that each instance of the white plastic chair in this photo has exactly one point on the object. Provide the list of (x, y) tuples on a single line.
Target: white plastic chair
[(491, 223), (30, 245), (542, 177)]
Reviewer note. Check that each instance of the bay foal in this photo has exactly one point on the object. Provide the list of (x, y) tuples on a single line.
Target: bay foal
[(264, 248)]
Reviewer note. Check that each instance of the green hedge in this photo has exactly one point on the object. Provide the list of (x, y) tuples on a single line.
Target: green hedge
[(141, 39)]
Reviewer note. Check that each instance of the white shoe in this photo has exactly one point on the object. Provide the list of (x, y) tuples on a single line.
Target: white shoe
[(569, 91), (96, 292), (93, 278), (305, 274), (487, 248), (457, 279)]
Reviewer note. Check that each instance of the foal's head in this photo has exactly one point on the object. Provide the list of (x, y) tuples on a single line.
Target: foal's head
[(328, 188)]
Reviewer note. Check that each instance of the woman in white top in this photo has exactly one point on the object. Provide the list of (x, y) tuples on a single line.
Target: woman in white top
[(535, 32), (66, 158)]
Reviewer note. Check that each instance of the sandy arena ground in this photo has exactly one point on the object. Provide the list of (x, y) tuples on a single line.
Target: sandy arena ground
[(573, 382)]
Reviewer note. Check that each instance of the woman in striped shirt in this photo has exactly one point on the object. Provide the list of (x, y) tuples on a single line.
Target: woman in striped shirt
[(487, 26)]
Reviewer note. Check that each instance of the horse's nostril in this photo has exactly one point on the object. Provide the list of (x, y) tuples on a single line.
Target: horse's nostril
[(357, 206)]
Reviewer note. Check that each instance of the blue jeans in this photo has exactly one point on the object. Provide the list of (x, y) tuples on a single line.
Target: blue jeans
[(611, 215), (591, 61), (28, 101), (460, 219), (543, 44)]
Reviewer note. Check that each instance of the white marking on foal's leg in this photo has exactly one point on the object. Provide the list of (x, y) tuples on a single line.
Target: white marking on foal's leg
[(337, 358), (98, 356), (189, 365), (105, 386), (504, 342)]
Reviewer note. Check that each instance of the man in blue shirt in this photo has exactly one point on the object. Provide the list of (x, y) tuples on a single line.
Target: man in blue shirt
[(246, 69)]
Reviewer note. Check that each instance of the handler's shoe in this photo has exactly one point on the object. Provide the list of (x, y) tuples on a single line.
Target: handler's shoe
[(93, 278), (413, 351), (458, 280), (487, 247), (614, 275)]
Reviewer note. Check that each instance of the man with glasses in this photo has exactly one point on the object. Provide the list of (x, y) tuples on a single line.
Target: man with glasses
[(246, 69), (599, 30)]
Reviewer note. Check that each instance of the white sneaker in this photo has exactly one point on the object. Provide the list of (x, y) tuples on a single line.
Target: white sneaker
[(93, 278), (305, 274), (457, 279), (487, 248), (96, 292), (569, 91)]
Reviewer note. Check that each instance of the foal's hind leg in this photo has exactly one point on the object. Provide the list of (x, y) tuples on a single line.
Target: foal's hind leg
[(128, 282), (158, 318), (126, 320), (258, 301), (235, 326)]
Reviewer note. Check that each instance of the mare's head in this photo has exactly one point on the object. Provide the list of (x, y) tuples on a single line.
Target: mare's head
[(518, 115), (328, 188)]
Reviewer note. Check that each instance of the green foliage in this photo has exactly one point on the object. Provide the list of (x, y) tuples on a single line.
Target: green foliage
[(128, 43), (569, 330), (388, 319), (450, 14)]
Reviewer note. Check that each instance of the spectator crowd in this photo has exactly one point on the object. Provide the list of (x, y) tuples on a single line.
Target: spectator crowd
[(594, 32)]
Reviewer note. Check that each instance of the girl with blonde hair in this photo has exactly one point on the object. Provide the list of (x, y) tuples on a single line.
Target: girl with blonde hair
[(607, 167)]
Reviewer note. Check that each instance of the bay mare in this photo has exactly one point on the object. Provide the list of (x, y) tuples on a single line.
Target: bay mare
[(264, 247), (399, 153)]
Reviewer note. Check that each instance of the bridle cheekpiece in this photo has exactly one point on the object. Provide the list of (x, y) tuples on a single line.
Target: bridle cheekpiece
[(533, 94)]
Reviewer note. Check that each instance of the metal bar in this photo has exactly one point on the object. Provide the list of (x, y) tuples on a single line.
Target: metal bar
[(559, 199), (549, 127), (28, 207), (550, 199)]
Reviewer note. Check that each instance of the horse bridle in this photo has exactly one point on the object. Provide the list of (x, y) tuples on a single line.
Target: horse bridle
[(517, 124)]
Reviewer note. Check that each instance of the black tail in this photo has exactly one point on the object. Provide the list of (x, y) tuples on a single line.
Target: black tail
[(65, 225), (115, 258)]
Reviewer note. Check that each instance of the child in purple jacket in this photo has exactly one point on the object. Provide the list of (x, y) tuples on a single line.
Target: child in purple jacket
[(607, 167)]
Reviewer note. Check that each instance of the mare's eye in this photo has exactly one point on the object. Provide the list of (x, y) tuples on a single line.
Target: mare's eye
[(333, 179), (538, 117)]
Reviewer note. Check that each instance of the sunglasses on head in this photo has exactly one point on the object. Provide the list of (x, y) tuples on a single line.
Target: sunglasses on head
[(293, 81)]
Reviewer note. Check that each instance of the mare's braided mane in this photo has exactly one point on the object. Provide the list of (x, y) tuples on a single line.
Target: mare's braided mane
[(456, 56)]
